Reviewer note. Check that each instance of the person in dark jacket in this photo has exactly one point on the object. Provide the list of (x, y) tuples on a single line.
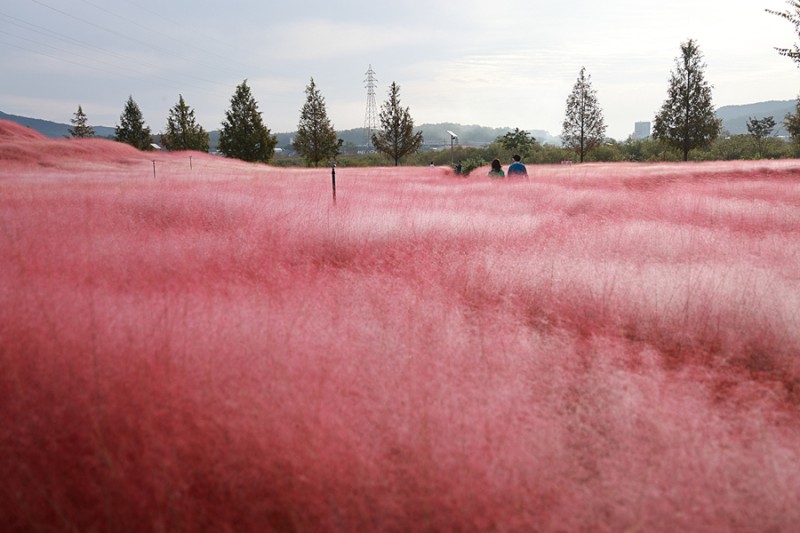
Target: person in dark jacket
[(516, 168)]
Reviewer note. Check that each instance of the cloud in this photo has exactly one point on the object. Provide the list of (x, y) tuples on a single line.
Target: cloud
[(325, 39)]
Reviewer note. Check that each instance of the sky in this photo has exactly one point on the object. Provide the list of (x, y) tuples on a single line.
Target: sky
[(502, 63)]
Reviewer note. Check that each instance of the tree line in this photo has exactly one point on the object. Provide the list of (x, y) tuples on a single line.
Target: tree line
[(686, 125), (243, 134)]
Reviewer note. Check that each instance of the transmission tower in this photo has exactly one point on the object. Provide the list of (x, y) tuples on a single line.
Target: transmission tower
[(371, 116)]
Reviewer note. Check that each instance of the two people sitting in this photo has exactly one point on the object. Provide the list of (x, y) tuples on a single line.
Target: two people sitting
[(515, 170)]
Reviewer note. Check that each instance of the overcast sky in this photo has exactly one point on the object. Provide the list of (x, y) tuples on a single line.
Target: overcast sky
[(500, 63)]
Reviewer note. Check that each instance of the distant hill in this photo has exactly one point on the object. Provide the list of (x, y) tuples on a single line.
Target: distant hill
[(53, 129), (735, 117)]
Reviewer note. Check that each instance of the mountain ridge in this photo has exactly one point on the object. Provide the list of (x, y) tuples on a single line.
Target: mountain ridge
[(735, 117)]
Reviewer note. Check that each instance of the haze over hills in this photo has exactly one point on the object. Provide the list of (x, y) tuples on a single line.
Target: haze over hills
[(734, 121), (735, 117)]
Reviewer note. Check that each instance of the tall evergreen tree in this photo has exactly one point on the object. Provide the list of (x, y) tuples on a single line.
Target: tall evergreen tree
[(244, 135), (132, 129), (183, 131), (396, 138), (316, 138), (80, 125), (584, 127), (687, 119)]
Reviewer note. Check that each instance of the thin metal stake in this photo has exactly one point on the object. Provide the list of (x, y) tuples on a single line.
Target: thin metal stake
[(333, 181)]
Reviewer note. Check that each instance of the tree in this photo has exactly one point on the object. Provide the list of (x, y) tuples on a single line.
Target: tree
[(687, 120), (243, 134), (518, 141), (583, 128), (760, 129), (792, 123), (793, 16), (183, 131), (316, 138), (396, 137), (80, 126), (132, 129)]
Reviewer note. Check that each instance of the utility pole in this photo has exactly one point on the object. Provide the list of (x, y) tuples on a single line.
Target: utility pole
[(453, 139), (371, 115)]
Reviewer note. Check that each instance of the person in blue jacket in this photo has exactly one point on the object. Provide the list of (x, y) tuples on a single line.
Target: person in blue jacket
[(516, 168)]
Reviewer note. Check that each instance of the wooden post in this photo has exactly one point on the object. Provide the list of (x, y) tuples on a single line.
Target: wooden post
[(333, 181), (154, 168)]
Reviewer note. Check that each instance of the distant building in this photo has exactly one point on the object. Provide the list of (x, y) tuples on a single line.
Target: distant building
[(641, 130)]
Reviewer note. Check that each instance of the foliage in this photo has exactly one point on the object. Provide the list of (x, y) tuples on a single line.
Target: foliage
[(737, 147), (686, 120), (792, 123), (725, 147), (183, 131), (80, 125), (645, 150), (132, 129), (316, 139), (730, 147), (608, 151), (517, 142), (760, 129), (243, 134), (548, 154), (470, 164), (583, 127), (793, 16), (396, 138)]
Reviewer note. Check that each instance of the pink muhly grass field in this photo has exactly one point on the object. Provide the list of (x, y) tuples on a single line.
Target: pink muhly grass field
[(220, 348)]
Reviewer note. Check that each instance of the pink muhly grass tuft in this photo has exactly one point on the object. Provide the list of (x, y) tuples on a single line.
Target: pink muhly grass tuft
[(601, 347)]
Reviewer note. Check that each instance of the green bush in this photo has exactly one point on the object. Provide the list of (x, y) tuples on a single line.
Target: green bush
[(471, 164)]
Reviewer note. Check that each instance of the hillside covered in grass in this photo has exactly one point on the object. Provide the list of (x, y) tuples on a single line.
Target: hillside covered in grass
[(190, 343)]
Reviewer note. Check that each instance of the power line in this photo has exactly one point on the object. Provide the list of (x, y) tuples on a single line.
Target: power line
[(180, 24), (71, 45), (173, 83), (186, 44), (89, 23), (127, 37), (127, 70), (58, 36)]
